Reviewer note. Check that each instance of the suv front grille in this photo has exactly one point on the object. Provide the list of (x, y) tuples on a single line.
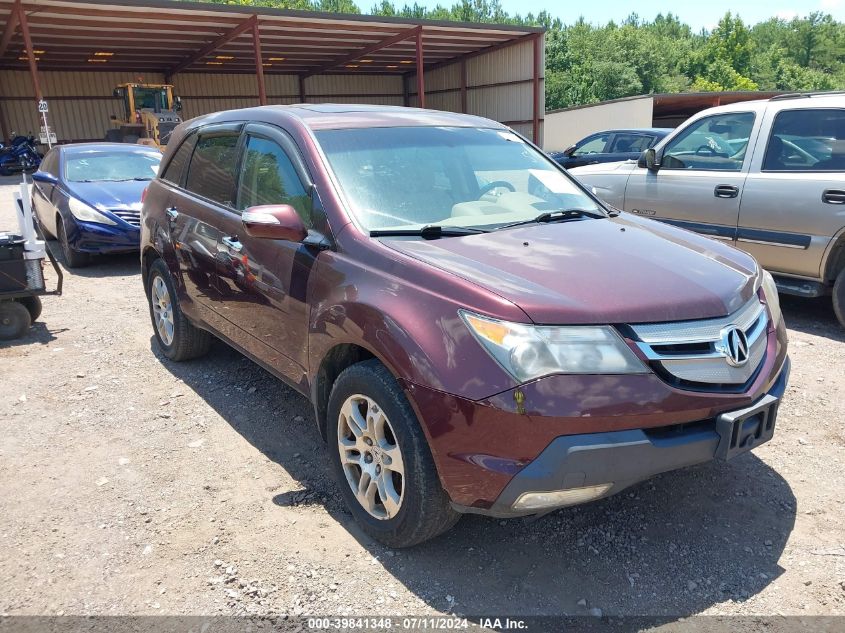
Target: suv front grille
[(696, 353)]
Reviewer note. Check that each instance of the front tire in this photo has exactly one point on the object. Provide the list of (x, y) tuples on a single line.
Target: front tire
[(178, 338), (14, 320), (839, 297), (381, 459), (73, 257)]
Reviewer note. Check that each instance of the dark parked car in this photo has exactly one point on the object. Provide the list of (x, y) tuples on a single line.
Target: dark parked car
[(610, 146), (476, 331), (88, 196)]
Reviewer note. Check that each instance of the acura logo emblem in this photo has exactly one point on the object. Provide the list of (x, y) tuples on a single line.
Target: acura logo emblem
[(734, 345)]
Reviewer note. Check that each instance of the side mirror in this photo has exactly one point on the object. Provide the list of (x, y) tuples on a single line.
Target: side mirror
[(177, 104), (274, 222), (45, 177), (117, 93), (648, 159), (569, 151)]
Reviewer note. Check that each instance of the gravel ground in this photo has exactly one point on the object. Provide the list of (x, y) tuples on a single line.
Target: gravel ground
[(133, 485)]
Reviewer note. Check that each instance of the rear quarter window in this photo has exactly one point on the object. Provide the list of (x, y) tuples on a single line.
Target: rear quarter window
[(176, 167), (213, 167)]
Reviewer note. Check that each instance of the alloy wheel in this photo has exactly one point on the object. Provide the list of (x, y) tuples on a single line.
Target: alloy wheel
[(162, 310), (370, 457)]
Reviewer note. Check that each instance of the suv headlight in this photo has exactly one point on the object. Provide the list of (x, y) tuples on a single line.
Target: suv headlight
[(86, 213), (527, 352), (770, 291)]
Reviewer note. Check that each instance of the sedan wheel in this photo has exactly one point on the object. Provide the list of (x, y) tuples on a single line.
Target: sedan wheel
[(371, 459)]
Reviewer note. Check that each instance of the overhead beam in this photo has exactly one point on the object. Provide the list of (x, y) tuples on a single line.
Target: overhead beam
[(538, 63), (259, 64), (420, 71), (240, 29), (30, 53), (9, 30), (367, 50)]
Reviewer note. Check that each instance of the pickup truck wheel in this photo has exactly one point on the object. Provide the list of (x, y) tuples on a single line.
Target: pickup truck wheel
[(178, 338), (839, 297), (382, 461)]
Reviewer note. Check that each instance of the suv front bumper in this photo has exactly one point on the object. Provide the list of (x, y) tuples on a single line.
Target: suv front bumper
[(590, 466)]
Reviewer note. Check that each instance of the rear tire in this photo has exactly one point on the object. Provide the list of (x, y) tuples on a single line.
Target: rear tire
[(73, 258), (178, 338), (402, 508), (14, 320), (33, 306), (113, 136), (839, 297)]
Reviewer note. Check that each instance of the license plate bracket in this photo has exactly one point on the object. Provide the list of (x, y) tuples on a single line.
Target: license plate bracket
[(745, 429)]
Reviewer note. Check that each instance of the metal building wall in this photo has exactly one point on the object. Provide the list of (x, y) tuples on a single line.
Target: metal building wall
[(81, 102), (500, 86)]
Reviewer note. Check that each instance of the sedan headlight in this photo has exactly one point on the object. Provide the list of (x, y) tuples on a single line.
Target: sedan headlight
[(770, 291), (87, 213), (527, 352)]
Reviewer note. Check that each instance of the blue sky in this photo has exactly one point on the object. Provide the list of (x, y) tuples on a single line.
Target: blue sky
[(698, 14)]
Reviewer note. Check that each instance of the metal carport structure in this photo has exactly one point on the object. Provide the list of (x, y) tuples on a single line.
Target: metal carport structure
[(225, 56)]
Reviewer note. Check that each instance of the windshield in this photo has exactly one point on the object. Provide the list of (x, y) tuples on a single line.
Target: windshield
[(105, 166), (150, 98), (410, 177)]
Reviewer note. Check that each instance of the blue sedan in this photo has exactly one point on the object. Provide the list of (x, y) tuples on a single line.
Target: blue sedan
[(89, 197)]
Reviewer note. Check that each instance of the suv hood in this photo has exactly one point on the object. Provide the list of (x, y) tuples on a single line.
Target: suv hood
[(618, 270)]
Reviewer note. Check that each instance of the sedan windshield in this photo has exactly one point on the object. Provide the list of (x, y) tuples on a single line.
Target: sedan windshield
[(112, 166), (412, 177)]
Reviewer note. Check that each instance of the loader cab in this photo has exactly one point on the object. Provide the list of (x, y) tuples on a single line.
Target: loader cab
[(150, 113)]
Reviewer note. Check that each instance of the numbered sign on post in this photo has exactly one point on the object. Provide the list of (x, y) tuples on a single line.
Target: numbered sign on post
[(42, 107)]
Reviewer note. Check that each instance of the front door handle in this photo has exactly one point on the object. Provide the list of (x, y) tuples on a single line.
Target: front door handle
[(726, 191), (833, 196), (233, 243), (172, 213)]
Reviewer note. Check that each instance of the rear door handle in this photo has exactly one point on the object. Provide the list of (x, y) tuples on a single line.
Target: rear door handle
[(233, 243), (833, 196), (726, 191), (172, 213)]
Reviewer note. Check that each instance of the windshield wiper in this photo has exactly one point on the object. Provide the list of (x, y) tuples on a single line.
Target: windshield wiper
[(555, 216), (428, 232)]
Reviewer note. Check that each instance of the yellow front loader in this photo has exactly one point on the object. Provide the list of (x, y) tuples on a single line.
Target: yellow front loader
[(150, 112)]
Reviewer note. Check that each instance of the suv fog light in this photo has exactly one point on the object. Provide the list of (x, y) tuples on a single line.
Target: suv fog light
[(559, 498)]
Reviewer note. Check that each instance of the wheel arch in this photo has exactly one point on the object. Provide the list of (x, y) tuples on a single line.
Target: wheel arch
[(834, 260), (334, 361)]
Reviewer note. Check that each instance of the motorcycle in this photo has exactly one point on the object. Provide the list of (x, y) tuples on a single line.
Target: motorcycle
[(20, 155)]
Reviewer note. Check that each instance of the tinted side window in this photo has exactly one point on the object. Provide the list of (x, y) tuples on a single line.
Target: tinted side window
[(269, 177), (715, 143), (50, 164), (594, 145), (176, 167), (807, 140), (623, 143), (213, 167)]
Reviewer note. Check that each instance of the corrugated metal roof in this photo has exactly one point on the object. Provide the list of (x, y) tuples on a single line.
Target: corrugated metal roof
[(162, 35)]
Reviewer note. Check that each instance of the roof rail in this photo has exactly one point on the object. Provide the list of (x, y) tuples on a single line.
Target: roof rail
[(805, 95)]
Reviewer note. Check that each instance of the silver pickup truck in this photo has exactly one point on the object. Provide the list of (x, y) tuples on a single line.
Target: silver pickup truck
[(767, 176)]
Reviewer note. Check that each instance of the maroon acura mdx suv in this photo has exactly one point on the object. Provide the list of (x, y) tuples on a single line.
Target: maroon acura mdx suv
[(476, 331)]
